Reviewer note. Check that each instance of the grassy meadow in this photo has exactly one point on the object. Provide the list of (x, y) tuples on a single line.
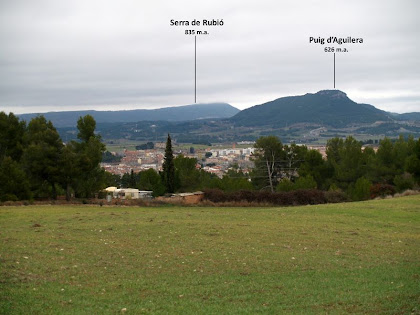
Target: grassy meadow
[(342, 258)]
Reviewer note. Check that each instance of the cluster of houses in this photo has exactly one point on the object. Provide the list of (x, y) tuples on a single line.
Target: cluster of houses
[(216, 161), (212, 160), (136, 160)]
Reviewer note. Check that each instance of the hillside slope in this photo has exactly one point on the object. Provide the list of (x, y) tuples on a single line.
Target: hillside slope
[(328, 107)]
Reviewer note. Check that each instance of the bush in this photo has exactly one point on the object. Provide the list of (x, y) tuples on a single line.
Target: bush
[(9, 197), (285, 185), (309, 197), (361, 189), (336, 196), (404, 182), (381, 190), (102, 194), (297, 197), (334, 187), (305, 182), (215, 195), (408, 193)]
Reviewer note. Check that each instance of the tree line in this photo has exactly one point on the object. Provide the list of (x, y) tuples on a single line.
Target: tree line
[(35, 163), (348, 167)]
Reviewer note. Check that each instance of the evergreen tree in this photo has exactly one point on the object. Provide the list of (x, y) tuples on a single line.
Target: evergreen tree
[(86, 126), (132, 182), (412, 164), (14, 184), (334, 146), (187, 177), (400, 153), (80, 161), (91, 177), (385, 166), (315, 166), (11, 136), (112, 180), (41, 157), (169, 167), (346, 160), (150, 180), (69, 164)]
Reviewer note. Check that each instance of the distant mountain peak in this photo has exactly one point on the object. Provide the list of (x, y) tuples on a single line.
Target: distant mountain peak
[(326, 108), (332, 93)]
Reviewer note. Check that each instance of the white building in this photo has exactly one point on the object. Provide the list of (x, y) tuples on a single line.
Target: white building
[(129, 193)]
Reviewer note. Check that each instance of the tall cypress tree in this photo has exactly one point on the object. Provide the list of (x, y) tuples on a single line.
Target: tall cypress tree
[(168, 167)]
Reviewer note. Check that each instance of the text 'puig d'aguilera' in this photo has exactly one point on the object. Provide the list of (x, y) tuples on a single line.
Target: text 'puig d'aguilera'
[(336, 40)]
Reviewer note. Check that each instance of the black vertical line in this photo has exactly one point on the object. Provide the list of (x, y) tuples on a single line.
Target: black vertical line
[(334, 70), (195, 69)]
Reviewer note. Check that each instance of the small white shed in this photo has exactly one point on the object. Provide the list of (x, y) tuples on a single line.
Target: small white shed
[(126, 193), (129, 193)]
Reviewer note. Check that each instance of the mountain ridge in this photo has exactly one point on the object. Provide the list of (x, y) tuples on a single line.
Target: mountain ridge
[(175, 113), (326, 107)]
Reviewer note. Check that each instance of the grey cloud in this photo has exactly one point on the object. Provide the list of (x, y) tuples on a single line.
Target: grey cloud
[(102, 54)]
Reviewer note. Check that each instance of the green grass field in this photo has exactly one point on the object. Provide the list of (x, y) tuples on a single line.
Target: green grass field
[(355, 257)]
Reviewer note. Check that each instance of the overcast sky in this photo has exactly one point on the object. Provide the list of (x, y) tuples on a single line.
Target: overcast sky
[(123, 54)]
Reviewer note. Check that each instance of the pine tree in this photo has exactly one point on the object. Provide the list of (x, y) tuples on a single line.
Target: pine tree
[(80, 161), (41, 157), (89, 151), (168, 167)]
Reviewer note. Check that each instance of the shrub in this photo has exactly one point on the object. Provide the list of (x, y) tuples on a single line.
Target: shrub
[(408, 193), (381, 190), (308, 197), (361, 189), (285, 185), (404, 182), (102, 194), (336, 196), (9, 197), (297, 197), (334, 187), (305, 182), (215, 195)]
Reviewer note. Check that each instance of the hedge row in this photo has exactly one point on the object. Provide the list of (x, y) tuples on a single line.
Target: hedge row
[(292, 198)]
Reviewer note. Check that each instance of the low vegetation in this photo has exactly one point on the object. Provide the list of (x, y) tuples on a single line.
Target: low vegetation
[(359, 257), (292, 198)]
